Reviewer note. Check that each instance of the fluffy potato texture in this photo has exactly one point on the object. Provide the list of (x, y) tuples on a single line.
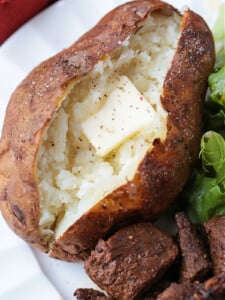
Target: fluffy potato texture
[(62, 184)]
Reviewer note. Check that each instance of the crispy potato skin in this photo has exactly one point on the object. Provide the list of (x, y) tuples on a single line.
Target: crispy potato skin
[(164, 170)]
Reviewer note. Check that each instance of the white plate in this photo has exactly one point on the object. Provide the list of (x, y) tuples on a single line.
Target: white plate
[(49, 32)]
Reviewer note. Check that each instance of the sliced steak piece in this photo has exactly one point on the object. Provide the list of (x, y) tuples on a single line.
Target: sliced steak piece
[(212, 289), (171, 275), (131, 260), (182, 291), (90, 294), (195, 263), (155, 291), (215, 229)]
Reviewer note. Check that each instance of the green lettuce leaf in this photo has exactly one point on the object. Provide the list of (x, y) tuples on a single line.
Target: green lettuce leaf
[(206, 199), (217, 86), (220, 60), (207, 191), (214, 121), (213, 155)]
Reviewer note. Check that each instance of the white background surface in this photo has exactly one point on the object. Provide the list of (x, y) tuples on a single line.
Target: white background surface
[(49, 32)]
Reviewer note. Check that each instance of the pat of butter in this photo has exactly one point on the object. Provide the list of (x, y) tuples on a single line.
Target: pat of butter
[(124, 113)]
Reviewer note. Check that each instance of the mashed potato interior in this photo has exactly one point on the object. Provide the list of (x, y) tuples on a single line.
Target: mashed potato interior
[(71, 176)]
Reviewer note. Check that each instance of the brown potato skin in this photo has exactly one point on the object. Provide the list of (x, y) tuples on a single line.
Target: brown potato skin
[(164, 170)]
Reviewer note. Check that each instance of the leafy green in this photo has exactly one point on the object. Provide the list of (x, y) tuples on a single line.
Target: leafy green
[(213, 155), (220, 59), (214, 111), (216, 80), (214, 121), (217, 86), (206, 199), (207, 191)]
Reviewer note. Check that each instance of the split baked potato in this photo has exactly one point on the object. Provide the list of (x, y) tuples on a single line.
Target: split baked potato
[(106, 132)]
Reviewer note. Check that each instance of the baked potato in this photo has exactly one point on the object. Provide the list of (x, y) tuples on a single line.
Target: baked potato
[(106, 132)]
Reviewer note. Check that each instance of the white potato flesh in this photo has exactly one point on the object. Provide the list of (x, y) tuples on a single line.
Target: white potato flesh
[(72, 174)]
